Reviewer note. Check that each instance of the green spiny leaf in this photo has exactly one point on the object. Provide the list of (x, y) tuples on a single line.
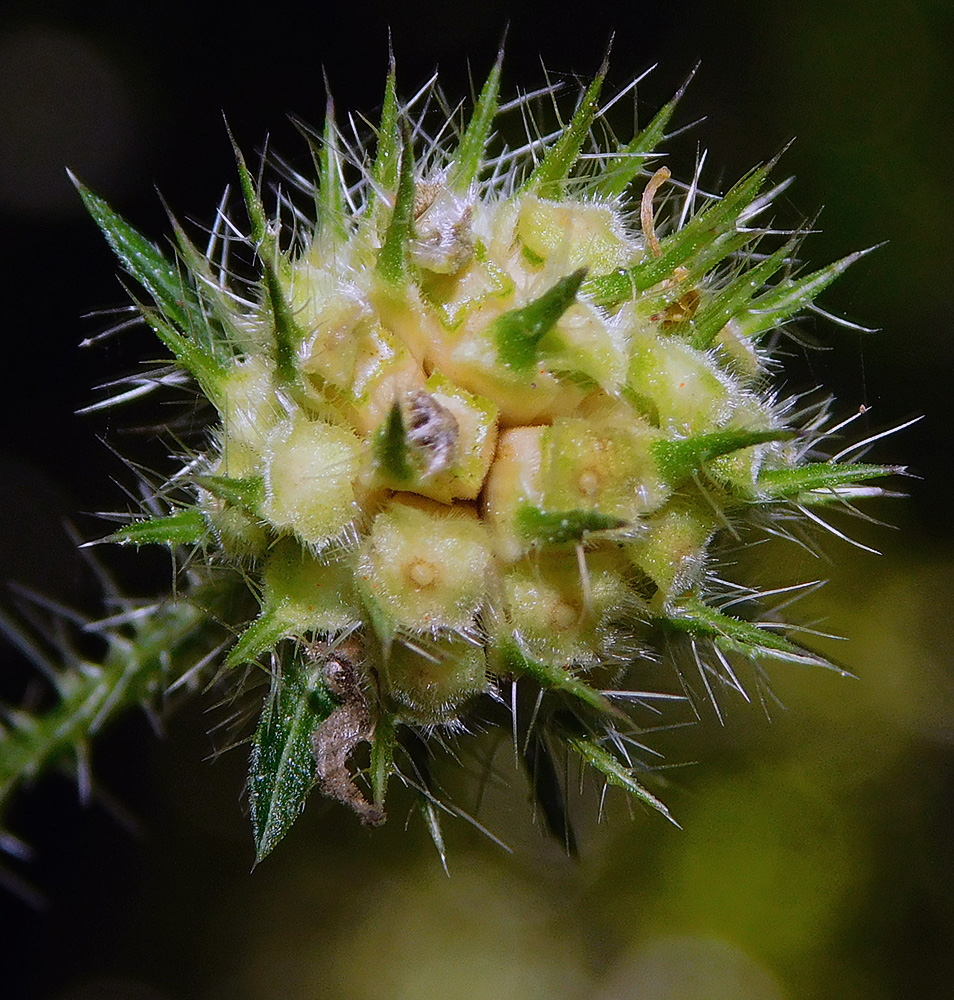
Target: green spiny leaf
[(548, 176), (382, 757), (218, 328), (143, 656), (184, 527), (253, 203), (260, 636), (615, 772), (621, 169), (710, 234), (432, 821), (790, 296), (562, 526), (330, 196), (247, 493), (392, 263), (518, 332), (818, 482), (557, 678), (282, 766), (733, 299), (386, 161), (470, 151), (288, 334), (736, 635), (204, 367), (391, 448), (160, 277), (678, 458)]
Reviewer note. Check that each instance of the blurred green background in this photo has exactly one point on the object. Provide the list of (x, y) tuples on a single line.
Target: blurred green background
[(815, 856)]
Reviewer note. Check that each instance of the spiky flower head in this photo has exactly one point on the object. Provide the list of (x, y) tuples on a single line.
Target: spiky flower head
[(480, 420)]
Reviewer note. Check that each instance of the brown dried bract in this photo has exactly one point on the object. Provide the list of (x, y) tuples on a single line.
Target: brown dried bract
[(646, 209), (433, 429), (348, 725), (683, 309)]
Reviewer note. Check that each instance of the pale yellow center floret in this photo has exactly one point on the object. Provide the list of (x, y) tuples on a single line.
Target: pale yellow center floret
[(310, 470), (685, 389), (513, 480), (673, 551), (384, 371), (561, 616), (426, 566), (589, 482), (578, 235), (422, 574), (462, 477), (329, 315), (601, 462)]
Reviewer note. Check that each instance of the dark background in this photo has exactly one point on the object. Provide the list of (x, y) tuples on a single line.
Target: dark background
[(815, 859)]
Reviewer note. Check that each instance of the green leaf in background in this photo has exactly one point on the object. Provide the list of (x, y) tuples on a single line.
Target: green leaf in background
[(282, 766)]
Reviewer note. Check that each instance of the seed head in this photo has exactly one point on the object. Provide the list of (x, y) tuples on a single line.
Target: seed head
[(480, 426)]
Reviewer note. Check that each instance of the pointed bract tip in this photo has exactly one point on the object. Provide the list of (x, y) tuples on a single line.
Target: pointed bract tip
[(604, 65), (329, 100), (858, 254), (685, 84), (236, 151), (503, 43), (770, 165)]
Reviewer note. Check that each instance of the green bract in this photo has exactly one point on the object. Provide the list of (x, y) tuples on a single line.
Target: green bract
[(477, 430)]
